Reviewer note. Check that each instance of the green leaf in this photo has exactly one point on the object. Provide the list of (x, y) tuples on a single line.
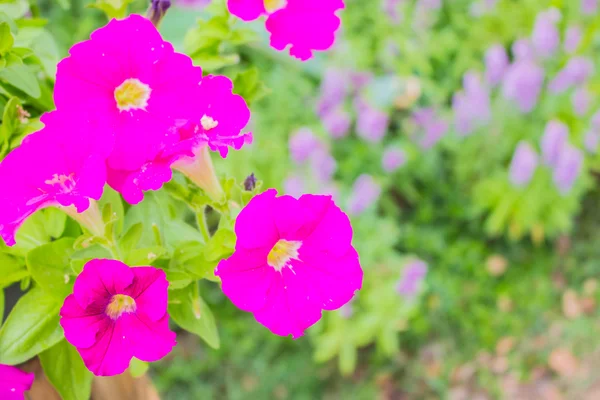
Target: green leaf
[(6, 38), (191, 313), (50, 267), (146, 256), (112, 8), (1, 306), (80, 257), (248, 85), (138, 368), (31, 327), (14, 9), (64, 368), (131, 238), (11, 270), (36, 230), (10, 123), (21, 77)]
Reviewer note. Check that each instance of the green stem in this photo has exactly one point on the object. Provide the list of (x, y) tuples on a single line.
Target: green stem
[(202, 225)]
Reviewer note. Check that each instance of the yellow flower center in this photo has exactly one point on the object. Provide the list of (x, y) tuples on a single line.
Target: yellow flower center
[(281, 254), (119, 305), (132, 94), (208, 123), (274, 5)]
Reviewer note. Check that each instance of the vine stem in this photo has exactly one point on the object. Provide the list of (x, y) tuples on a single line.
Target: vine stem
[(201, 218)]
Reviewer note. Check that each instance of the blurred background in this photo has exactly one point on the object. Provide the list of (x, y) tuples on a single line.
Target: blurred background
[(462, 138)]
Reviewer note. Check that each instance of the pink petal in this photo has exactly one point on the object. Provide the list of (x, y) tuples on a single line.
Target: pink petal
[(111, 354), (289, 216), (147, 340), (81, 326), (247, 10), (13, 382), (276, 314), (101, 279), (149, 290), (254, 226), (333, 234)]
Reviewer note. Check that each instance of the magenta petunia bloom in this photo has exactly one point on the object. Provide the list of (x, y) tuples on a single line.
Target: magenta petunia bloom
[(305, 25), (14, 382), (116, 313), (140, 85), (62, 165), (293, 258), (219, 119)]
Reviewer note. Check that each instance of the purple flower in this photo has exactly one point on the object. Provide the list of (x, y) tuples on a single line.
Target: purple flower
[(335, 87), (523, 84), (522, 50), (573, 38), (323, 165), (556, 135), (390, 7), (412, 276), (471, 107), (294, 186), (302, 144), (581, 100), (496, 63), (337, 123), (591, 141), (431, 127), (365, 193), (576, 72), (371, 123), (360, 79), (523, 164), (596, 120), (568, 168), (193, 3), (393, 158), (546, 37), (347, 311), (589, 7)]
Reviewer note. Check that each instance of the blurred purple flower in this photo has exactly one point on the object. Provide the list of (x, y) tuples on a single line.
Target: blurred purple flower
[(412, 276), (360, 79), (523, 83), (390, 7), (337, 123), (193, 3), (365, 193), (432, 127), (335, 87), (576, 72), (294, 186), (471, 107), (573, 38), (589, 7), (496, 63), (522, 50), (393, 158), (556, 136), (323, 165), (581, 100), (568, 168), (302, 144), (595, 120), (347, 310), (545, 36), (591, 141), (371, 123), (523, 164)]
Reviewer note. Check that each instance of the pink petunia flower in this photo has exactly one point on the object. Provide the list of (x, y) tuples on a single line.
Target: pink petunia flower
[(305, 25), (140, 85), (293, 258), (62, 165), (116, 313), (13, 382), (219, 119)]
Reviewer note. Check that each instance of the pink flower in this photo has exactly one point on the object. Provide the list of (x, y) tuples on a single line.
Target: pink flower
[(13, 382), (306, 25), (219, 119), (140, 85), (293, 258), (116, 313), (62, 165)]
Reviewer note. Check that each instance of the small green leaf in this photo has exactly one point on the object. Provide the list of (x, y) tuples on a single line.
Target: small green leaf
[(21, 77), (145, 256), (1, 306), (112, 8), (11, 269), (6, 38), (248, 85), (31, 327), (64, 368), (131, 238), (191, 313), (80, 257), (50, 267), (138, 368)]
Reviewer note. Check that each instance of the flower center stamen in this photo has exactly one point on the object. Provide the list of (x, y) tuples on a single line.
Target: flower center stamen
[(281, 254), (132, 94), (208, 123), (273, 5), (66, 182), (119, 305)]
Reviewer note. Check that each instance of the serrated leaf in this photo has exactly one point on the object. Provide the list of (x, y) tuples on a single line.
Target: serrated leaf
[(31, 327), (65, 369)]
